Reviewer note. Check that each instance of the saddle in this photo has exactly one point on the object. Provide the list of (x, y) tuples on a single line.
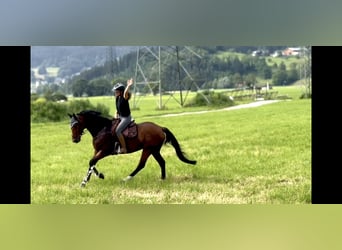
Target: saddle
[(131, 131)]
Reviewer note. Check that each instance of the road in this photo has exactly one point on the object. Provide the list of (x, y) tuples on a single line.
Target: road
[(247, 105)]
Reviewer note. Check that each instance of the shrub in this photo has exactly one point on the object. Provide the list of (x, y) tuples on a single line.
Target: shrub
[(215, 99), (41, 100), (305, 96), (58, 97), (283, 97), (79, 105), (34, 97), (48, 111)]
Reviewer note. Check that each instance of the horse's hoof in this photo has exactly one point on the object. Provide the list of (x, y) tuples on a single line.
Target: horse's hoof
[(127, 178), (101, 176)]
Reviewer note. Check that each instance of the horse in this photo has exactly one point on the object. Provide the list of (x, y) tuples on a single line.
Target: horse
[(149, 138)]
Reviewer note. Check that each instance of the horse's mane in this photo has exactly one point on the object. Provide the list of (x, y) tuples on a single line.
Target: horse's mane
[(90, 112), (96, 114)]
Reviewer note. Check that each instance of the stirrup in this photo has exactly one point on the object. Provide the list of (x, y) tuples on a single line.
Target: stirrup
[(121, 152), (117, 149)]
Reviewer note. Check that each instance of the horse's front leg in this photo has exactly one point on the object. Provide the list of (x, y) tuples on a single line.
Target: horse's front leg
[(88, 175), (97, 173), (92, 169)]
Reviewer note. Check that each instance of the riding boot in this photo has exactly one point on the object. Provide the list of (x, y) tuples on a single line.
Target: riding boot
[(123, 149)]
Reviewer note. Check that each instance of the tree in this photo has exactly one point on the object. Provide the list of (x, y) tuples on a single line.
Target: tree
[(279, 78), (306, 72), (282, 66), (250, 80), (98, 87), (292, 75), (267, 73), (42, 70), (78, 87), (237, 79), (237, 66), (33, 78)]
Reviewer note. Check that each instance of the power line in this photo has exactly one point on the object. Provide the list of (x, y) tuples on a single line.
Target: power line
[(151, 77)]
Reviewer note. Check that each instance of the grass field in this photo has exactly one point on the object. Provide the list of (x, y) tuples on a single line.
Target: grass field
[(257, 155), (287, 60)]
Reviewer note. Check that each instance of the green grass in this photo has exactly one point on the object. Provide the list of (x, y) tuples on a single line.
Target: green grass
[(287, 60), (226, 54), (257, 155)]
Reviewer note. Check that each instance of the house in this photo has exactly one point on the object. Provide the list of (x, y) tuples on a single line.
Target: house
[(276, 53), (292, 51), (257, 53), (260, 53)]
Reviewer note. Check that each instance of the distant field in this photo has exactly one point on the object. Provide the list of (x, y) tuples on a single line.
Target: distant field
[(286, 60), (257, 155), (269, 59), (226, 54)]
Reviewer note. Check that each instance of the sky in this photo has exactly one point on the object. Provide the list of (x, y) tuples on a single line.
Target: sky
[(181, 22)]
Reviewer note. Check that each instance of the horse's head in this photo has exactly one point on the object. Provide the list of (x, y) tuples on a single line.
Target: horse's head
[(77, 127)]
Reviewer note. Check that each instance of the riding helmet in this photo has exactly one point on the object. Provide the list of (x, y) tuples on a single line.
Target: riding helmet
[(119, 86)]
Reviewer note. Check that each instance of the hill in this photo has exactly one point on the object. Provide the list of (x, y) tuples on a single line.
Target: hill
[(82, 68), (73, 59)]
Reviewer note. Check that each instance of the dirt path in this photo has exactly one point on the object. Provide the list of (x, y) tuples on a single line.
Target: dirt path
[(247, 105)]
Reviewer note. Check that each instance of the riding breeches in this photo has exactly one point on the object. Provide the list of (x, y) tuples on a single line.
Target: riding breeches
[(123, 124)]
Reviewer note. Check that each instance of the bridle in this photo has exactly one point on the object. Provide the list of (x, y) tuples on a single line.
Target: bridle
[(76, 128)]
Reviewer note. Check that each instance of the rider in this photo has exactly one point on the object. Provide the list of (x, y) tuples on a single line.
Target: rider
[(122, 96)]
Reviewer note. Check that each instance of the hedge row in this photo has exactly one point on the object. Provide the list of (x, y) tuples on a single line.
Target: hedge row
[(43, 110)]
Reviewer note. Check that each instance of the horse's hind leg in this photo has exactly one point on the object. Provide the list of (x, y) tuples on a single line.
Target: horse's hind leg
[(144, 156), (161, 163)]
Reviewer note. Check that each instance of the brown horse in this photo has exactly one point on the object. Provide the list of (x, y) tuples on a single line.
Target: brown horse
[(150, 138)]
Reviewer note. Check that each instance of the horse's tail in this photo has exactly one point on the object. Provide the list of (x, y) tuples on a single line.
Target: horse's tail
[(170, 138)]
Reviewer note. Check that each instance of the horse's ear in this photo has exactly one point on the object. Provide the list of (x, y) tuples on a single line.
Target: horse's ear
[(72, 115)]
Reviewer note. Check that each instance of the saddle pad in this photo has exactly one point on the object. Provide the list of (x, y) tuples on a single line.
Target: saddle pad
[(131, 131)]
